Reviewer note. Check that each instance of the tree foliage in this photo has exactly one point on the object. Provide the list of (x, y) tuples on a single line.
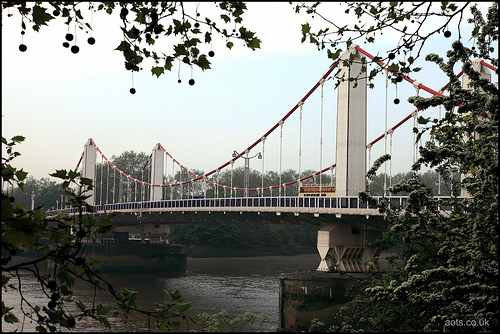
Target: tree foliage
[(52, 249), (143, 24), (447, 272), (415, 23)]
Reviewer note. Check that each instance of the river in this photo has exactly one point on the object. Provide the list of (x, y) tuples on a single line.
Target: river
[(235, 284)]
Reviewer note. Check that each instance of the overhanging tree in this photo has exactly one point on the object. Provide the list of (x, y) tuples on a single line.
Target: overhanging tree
[(189, 31), (447, 275)]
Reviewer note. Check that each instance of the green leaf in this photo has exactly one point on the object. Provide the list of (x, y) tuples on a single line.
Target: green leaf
[(184, 307), (157, 71), (73, 174), (103, 310), (5, 280), (86, 181), (5, 309), (40, 17), (203, 62), (393, 67), (254, 43), (423, 120), (229, 45), (93, 262), (23, 232), (123, 46), (66, 278), (18, 139), (164, 326), (169, 62), (306, 28), (10, 318), (60, 173), (80, 305), (332, 55), (180, 50)]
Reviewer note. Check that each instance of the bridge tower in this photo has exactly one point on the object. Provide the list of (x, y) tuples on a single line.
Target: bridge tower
[(484, 74), (157, 167), (338, 238), (88, 167), (350, 159)]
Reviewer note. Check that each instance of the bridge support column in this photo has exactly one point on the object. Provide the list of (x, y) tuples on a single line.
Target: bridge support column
[(351, 128), (347, 245), (157, 163), (88, 167)]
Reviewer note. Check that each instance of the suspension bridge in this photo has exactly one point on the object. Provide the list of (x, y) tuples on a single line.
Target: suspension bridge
[(347, 223)]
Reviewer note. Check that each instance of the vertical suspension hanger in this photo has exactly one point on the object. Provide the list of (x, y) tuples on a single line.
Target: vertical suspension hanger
[(281, 153), (262, 173), (391, 131), (173, 180), (142, 187), (165, 176), (331, 175), (204, 187), (107, 183), (180, 181), (415, 124), (232, 189), (100, 190), (217, 185), (369, 147), (321, 138), (114, 185), (301, 103), (385, 131), (439, 174), (248, 175), (143, 192), (414, 114), (94, 180)]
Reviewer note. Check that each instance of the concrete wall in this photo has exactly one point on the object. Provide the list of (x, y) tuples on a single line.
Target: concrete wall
[(308, 295)]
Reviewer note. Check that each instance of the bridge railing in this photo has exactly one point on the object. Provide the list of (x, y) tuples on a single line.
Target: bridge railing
[(351, 202)]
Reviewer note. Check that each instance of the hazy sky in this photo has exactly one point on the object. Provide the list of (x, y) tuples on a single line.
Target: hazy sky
[(58, 100)]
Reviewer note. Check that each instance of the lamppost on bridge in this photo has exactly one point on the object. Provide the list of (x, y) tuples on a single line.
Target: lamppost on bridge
[(247, 168), (32, 199)]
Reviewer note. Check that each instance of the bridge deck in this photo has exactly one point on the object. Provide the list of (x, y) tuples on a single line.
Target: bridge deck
[(296, 210)]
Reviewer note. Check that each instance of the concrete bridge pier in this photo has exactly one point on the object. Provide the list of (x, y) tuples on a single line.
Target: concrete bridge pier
[(347, 245)]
